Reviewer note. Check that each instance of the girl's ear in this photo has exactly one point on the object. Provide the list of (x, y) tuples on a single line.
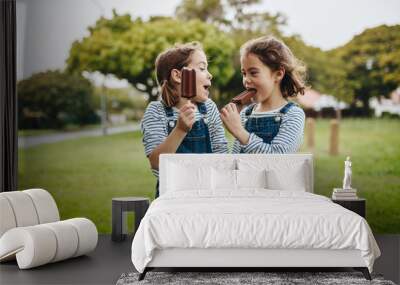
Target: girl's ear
[(279, 74), (176, 75)]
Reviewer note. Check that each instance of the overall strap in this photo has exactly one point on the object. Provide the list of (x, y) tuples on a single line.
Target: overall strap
[(249, 109), (202, 108), (286, 108), (168, 110)]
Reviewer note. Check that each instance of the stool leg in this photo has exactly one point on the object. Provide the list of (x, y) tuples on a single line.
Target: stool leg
[(124, 216), (116, 222)]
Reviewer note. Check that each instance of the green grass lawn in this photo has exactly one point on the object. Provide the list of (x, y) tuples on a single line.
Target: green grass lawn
[(84, 174)]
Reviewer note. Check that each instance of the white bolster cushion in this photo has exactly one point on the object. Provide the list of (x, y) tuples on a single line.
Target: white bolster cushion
[(66, 238), (23, 208), (87, 234), (33, 246), (45, 205), (7, 218), (37, 245)]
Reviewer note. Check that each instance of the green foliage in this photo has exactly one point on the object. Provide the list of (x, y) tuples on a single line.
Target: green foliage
[(210, 11), (367, 66), (325, 72), (54, 99), (232, 15), (372, 62), (128, 49), (122, 100)]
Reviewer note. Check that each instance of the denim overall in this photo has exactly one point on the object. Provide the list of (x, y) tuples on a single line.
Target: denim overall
[(265, 127), (197, 140)]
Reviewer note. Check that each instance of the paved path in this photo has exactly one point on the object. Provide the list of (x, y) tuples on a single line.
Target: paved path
[(25, 142)]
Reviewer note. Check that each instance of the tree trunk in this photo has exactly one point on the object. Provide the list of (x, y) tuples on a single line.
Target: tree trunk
[(365, 108)]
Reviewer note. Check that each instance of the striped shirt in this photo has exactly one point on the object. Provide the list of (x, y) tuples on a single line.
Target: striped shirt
[(154, 127), (288, 139)]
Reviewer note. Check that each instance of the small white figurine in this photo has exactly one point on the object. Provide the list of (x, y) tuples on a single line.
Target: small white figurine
[(347, 174)]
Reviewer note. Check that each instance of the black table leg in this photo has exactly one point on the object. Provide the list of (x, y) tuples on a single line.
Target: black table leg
[(364, 271), (143, 274), (117, 222)]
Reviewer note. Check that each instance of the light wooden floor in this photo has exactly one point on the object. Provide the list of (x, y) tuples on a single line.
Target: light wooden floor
[(110, 260)]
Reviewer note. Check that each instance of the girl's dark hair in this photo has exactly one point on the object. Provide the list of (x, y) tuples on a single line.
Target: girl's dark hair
[(175, 57), (276, 55)]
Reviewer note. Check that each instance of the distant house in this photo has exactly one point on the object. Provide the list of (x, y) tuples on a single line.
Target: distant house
[(309, 99), (315, 103), (395, 96), (389, 105)]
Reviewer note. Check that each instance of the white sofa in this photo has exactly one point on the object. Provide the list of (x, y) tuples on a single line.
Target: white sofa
[(31, 231)]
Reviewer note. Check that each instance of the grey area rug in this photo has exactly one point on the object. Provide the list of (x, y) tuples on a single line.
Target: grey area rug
[(231, 278)]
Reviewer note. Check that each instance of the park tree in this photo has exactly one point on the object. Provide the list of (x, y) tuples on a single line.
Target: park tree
[(241, 22), (128, 48), (325, 72), (372, 62), (209, 11), (54, 99), (251, 20), (235, 16)]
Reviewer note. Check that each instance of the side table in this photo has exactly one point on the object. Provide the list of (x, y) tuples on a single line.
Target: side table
[(120, 207), (357, 205)]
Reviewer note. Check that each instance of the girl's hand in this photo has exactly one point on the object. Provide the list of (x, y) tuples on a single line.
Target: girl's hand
[(231, 119), (186, 117)]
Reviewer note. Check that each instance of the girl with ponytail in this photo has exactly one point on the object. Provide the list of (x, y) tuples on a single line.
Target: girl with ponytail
[(176, 124), (272, 124)]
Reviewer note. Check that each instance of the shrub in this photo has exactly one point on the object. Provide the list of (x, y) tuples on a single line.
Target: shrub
[(54, 99)]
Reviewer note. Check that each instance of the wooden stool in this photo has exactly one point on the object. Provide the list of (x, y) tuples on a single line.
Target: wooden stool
[(120, 206)]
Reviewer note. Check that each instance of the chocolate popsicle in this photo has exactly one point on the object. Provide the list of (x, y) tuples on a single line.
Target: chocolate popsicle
[(243, 99), (188, 85)]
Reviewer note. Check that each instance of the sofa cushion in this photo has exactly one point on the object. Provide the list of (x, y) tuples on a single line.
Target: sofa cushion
[(46, 207), (24, 210), (7, 215)]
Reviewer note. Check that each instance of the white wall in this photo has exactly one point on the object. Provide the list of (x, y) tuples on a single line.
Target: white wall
[(47, 28)]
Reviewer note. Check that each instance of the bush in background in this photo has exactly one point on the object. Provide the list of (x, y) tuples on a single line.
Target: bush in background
[(53, 100)]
